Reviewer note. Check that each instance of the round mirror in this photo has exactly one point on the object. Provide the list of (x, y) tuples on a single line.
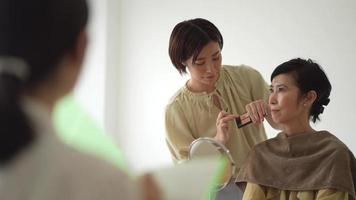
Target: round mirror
[(207, 147)]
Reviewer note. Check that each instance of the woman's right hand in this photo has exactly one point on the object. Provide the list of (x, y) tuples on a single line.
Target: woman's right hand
[(222, 126)]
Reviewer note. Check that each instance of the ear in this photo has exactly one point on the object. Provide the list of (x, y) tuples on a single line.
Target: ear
[(310, 97), (77, 55)]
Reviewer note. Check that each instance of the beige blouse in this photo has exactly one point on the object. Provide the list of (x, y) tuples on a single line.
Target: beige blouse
[(192, 115), (257, 192)]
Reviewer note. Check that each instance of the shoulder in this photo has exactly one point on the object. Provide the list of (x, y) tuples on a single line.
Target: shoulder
[(181, 100), (260, 147), (76, 165), (243, 75), (82, 164), (174, 102), (83, 175), (177, 96), (243, 70), (321, 141), (333, 143)]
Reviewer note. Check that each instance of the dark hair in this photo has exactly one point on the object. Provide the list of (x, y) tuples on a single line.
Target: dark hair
[(39, 33), (308, 76), (188, 38)]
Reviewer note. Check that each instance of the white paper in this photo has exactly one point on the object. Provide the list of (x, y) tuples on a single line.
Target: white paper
[(187, 181)]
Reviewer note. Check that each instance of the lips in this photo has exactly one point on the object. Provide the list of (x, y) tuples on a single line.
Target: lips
[(210, 77), (274, 110)]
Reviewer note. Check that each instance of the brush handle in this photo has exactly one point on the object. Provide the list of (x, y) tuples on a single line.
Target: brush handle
[(243, 120)]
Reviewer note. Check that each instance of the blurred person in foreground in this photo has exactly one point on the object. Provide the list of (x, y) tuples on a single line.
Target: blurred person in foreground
[(42, 46)]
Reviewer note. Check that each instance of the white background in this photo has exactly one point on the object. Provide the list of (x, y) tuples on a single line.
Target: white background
[(128, 78)]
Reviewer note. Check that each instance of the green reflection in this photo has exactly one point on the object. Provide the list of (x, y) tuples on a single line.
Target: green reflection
[(76, 128), (216, 178)]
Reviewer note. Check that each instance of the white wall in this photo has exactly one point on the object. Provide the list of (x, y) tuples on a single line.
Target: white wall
[(140, 78), (90, 90)]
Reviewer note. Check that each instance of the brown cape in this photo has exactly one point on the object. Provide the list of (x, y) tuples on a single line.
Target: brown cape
[(302, 162)]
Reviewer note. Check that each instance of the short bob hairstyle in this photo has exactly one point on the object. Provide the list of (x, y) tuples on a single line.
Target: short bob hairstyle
[(188, 38), (308, 76)]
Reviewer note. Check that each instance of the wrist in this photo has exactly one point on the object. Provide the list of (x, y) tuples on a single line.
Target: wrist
[(221, 140)]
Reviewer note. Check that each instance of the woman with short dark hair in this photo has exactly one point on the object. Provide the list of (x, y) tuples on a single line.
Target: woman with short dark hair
[(214, 95)]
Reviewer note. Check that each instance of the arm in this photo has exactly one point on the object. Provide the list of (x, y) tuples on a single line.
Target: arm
[(178, 134)]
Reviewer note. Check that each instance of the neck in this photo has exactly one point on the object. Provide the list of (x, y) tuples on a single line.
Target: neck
[(199, 87), (297, 128), (44, 95)]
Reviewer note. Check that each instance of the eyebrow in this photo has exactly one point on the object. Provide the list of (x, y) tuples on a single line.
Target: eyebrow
[(214, 54), (278, 85)]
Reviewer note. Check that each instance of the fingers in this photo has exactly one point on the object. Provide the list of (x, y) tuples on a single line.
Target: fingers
[(224, 117), (260, 112), (222, 126), (220, 115), (267, 110), (253, 112), (257, 111)]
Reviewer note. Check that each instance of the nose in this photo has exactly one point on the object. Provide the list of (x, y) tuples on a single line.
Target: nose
[(210, 67), (272, 99)]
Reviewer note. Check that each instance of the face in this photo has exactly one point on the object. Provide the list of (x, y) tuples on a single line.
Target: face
[(205, 70), (287, 105)]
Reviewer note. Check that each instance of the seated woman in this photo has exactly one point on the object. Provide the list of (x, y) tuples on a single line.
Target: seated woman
[(300, 162)]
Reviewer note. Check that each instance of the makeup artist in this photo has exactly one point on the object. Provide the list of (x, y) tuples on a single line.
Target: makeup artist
[(214, 95)]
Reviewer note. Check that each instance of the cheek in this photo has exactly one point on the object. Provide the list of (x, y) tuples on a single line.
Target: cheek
[(200, 71), (291, 104), (285, 102), (196, 71), (218, 64)]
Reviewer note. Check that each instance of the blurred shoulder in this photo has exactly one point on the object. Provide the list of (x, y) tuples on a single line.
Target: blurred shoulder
[(88, 166), (81, 175)]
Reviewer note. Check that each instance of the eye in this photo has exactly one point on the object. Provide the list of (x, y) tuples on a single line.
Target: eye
[(216, 57), (271, 90), (280, 89), (200, 63)]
